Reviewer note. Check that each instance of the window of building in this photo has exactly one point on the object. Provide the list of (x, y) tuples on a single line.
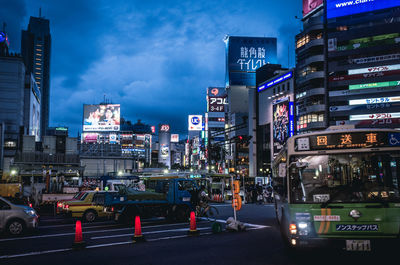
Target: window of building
[(302, 41), (10, 144), (321, 117)]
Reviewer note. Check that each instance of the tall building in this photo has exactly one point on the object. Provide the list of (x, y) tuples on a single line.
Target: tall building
[(244, 55), (364, 63), (310, 92), (36, 51)]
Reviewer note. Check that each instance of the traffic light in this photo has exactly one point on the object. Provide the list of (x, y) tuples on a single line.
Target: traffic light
[(243, 139)]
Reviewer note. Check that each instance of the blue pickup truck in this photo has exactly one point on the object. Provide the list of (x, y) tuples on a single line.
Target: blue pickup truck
[(172, 199)]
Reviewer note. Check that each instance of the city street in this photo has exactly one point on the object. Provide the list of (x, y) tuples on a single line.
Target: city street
[(110, 243)]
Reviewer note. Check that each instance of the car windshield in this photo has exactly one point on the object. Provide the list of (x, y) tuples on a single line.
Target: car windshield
[(350, 177)]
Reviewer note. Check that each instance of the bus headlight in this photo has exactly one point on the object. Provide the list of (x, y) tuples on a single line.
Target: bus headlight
[(303, 228)]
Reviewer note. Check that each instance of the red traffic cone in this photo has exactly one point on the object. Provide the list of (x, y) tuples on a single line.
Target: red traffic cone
[(193, 230), (138, 237), (78, 242)]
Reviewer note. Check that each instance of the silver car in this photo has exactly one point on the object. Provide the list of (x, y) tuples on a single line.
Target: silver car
[(16, 219)]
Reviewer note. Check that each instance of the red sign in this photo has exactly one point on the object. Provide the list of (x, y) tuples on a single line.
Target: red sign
[(310, 5), (153, 129)]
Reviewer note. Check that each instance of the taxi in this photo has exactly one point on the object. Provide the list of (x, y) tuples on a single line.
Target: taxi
[(89, 208)]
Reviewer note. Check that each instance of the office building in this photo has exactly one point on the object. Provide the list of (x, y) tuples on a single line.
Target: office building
[(36, 51), (364, 64)]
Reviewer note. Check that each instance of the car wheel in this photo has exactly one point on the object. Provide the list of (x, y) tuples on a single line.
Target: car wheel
[(16, 227), (90, 216)]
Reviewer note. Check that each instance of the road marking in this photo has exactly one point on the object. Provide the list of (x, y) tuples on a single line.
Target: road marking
[(246, 224), (148, 233), (88, 232), (94, 246), (35, 253)]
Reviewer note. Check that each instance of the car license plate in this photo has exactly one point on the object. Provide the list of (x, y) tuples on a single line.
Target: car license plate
[(358, 245)]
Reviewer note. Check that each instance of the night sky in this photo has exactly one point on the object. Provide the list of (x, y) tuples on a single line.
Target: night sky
[(155, 58)]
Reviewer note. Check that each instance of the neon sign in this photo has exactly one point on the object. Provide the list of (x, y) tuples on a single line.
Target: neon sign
[(374, 100), (276, 81), (340, 8), (374, 85)]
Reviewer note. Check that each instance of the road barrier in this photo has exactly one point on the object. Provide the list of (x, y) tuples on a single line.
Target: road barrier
[(78, 242), (193, 229), (138, 236)]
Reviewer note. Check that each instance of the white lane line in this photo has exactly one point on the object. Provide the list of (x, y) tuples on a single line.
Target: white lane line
[(94, 246), (148, 233), (35, 253), (246, 224), (88, 232)]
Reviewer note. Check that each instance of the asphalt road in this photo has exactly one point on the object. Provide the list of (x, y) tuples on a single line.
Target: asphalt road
[(166, 243)]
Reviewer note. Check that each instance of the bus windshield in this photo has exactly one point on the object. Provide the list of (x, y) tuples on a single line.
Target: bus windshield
[(345, 178)]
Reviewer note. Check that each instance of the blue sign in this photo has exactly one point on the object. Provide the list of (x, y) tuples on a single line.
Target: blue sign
[(195, 120), (277, 80), (394, 139), (291, 118), (2, 37), (340, 8), (244, 55)]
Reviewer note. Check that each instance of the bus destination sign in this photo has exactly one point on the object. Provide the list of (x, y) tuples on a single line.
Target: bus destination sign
[(348, 141)]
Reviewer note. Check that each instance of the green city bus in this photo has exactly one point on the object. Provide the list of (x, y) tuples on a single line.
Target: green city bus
[(339, 189)]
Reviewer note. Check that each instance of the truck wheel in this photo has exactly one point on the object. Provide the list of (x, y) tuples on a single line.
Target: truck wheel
[(90, 216), (182, 214), (16, 227)]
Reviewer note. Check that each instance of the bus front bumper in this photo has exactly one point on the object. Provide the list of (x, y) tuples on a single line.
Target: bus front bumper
[(347, 244)]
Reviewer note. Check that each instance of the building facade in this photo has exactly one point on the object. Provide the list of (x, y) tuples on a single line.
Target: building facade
[(364, 64), (36, 53), (310, 92)]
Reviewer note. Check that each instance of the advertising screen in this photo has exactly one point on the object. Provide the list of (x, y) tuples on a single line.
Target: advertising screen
[(245, 55), (340, 8), (281, 124), (101, 117), (311, 5)]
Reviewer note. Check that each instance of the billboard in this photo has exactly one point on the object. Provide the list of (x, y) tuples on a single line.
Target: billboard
[(311, 5), (101, 117), (275, 81), (283, 123), (174, 138), (195, 122), (216, 99), (244, 55), (340, 8)]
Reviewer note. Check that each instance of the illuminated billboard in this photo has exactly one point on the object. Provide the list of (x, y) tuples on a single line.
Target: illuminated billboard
[(311, 5), (174, 138), (283, 123), (244, 55), (375, 69), (102, 118), (374, 85), (195, 122), (275, 81), (340, 8), (374, 100), (375, 116)]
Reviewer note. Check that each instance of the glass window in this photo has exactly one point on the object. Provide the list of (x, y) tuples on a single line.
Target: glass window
[(350, 177), (321, 117)]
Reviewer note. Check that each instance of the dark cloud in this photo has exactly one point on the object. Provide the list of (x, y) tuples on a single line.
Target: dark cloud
[(13, 14), (154, 57)]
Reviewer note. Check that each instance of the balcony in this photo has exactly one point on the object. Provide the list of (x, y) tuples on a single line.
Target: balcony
[(310, 60), (312, 109), (310, 76)]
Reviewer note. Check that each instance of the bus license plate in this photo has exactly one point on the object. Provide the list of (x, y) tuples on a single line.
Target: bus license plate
[(358, 245)]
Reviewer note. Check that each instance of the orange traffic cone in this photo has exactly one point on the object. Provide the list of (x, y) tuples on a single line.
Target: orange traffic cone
[(78, 242), (193, 230), (138, 237)]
